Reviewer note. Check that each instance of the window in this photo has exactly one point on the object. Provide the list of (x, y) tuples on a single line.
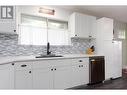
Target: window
[(38, 31), (121, 34), (120, 30), (58, 33)]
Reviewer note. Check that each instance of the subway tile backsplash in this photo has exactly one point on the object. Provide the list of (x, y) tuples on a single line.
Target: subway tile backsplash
[(9, 47)]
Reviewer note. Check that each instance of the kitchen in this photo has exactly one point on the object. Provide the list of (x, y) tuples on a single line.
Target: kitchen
[(59, 47)]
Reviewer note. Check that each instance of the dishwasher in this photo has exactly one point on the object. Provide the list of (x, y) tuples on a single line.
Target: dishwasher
[(97, 69)]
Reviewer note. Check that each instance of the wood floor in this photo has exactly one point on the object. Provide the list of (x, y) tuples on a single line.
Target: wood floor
[(120, 83)]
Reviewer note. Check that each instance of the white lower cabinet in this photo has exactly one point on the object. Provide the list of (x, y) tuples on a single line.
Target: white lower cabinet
[(80, 74), (80, 71), (7, 76), (75, 75), (51, 78), (43, 78), (84, 74), (52, 74), (23, 75), (23, 79), (62, 77)]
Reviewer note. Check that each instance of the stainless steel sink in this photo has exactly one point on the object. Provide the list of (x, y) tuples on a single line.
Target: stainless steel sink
[(47, 56)]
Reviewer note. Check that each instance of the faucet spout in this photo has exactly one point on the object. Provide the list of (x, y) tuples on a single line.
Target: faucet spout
[(48, 49)]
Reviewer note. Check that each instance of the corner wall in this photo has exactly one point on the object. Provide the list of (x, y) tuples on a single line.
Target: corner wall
[(124, 51)]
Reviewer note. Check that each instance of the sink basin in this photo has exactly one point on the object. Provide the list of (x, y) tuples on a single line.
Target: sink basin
[(47, 56)]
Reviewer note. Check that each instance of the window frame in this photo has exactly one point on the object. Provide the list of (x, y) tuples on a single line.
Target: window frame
[(52, 19)]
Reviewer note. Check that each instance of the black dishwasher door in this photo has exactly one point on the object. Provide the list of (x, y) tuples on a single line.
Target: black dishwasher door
[(97, 69)]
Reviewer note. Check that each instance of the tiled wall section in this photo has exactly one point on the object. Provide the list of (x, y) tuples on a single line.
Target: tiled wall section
[(9, 47)]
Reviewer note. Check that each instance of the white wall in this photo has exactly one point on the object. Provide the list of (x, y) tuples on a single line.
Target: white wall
[(117, 27), (60, 14), (124, 51)]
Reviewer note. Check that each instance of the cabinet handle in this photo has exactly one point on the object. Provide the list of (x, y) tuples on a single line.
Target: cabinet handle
[(13, 64), (112, 40), (92, 60), (14, 30), (51, 69), (80, 65), (29, 71), (23, 65), (80, 60)]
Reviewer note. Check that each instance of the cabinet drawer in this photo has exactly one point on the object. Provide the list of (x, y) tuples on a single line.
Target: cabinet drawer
[(62, 62), (42, 64), (23, 65), (3, 66), (80, 61), (51, 63)]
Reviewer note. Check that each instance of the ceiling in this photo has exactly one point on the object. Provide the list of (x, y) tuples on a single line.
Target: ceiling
[(116, 12)]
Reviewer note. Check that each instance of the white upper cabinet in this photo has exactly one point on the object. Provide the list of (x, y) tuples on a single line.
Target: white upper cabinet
[(81, 25), (105, 29), (8, 25), (110, 29)]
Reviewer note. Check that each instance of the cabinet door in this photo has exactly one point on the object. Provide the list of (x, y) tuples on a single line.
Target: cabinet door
[(43, 78), (80, 71), (81, 25), (7, 27), (113, 59), (92, 26), (62, 77), (84, 73), (80, 75), (23, 79), (107, 32), (117, 59), (108, 53), (75, 75), (6, 76)]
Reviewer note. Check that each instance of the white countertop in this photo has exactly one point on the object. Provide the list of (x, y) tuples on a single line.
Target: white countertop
[(10, 59)]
